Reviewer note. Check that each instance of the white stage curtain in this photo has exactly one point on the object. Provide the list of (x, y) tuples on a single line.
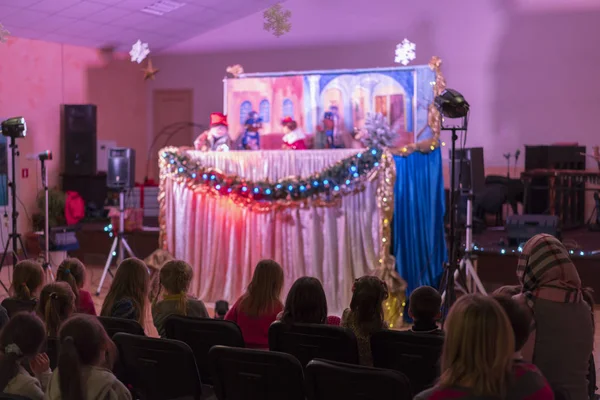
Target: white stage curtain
[(224, 241)]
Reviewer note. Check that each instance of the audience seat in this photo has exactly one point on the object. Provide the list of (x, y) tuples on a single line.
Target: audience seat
[(201, 334), (14, 306), (309, 341), (4, 396), (333, 380), (121, 325), (415, 355), (247, 374), (158, 369)]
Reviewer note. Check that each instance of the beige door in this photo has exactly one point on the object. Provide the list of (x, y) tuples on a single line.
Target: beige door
[(171, 107)]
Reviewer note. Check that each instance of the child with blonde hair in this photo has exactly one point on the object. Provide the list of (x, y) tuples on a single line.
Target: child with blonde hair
[(84, 363), (21, 341), (175, 279), (72, 271), (478, 357), (128, 294), (28, 279), (57, 303), (257, 309)]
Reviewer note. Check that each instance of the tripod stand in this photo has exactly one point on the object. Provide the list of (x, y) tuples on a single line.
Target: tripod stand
[(14, 237), (119, 245), (46, 264), (465, 265)]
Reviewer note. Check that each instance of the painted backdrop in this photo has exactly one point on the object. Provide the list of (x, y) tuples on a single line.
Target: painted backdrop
[(400, 94)]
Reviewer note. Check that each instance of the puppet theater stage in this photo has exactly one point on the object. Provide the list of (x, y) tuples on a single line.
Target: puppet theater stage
[(334, 214)]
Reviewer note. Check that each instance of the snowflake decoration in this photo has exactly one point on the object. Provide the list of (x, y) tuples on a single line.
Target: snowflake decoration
[(405, 52), (139, 51), (4, 33), (277, 20)]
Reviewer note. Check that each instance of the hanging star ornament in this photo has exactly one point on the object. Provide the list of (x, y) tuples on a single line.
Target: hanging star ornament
[(277, 20), (150, 72), (4, 34), (139, 52), (405, 52)]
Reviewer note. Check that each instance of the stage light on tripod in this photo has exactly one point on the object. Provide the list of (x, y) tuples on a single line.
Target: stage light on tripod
[(45, 155), (15, 127), (452, 104)]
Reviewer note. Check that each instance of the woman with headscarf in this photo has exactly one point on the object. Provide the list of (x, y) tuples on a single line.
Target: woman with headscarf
[(562, 335)]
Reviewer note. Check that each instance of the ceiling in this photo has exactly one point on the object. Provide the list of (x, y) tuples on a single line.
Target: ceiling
[(119, 23), (223, 25), (317, 22)]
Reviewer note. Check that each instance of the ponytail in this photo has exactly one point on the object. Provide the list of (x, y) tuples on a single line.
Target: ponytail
[(182, 304), (22, 291), (69, 366), (67, 276), (9, 365), (52, 316)]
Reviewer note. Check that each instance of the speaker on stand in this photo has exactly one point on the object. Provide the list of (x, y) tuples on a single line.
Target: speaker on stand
[(120, 177)]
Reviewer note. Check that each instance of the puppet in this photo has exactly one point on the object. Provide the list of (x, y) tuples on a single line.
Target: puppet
[(217, 137), (294, 138), (251, 136)]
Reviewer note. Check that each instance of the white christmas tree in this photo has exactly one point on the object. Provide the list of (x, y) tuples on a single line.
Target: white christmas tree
[(377, 132)]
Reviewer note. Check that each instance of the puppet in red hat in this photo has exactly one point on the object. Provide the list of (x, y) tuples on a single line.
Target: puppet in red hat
[(217, 137), (294, 137)]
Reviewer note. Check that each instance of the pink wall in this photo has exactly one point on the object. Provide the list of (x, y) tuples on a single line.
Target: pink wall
[(530, 74), (37, 77)]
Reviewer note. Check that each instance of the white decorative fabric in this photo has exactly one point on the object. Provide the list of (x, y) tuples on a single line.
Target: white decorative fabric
[(224, 241)]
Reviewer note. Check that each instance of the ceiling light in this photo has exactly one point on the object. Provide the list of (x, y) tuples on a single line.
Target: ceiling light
[(162, 7)]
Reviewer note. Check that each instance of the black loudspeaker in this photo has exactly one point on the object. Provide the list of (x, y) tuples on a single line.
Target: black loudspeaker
[(469, 172), (521, 228), (121, 168), (79, 135)]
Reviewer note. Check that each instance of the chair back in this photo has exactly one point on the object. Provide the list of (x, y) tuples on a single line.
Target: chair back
[(416, 355), (52, 351), (121, 325), (247, 374), (201, 334), (309, 341), (14, 306), (333, 380), (158, 369)]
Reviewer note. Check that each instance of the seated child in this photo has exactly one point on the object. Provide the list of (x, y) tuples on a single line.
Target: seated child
[(257, 309), (85, 362), (221, 308), (365, 315), (424, 307), (72, 271), (175, 279), (28, 279), (306, 303), (128, 294), (57, 303), (20, 342), (508, 290), (520, 319)]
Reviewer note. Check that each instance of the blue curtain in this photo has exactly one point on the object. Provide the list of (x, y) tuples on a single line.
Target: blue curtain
[(418, 227)]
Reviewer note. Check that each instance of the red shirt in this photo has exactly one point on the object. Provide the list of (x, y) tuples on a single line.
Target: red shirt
[(254, 329), (86, 304)]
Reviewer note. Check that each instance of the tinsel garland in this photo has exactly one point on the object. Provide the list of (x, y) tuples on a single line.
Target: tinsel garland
[(326, 187)]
